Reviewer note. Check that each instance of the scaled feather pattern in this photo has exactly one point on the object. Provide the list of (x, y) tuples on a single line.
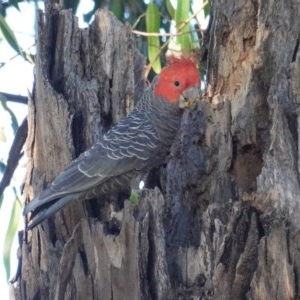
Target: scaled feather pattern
[(135, 145)]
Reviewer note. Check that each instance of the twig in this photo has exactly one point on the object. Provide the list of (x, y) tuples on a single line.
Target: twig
[(14, 155), (138, 20), (185, 22), (15, 98), (169, 35), (2, 64), (143, 33)]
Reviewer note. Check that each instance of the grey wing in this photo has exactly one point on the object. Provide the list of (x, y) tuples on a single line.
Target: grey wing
[(126, 147)]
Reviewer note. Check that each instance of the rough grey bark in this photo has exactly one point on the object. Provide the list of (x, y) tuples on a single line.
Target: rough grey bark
[(84, 84), (224, 224)]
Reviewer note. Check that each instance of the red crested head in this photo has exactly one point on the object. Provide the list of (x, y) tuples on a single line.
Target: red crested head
[(179, 75)]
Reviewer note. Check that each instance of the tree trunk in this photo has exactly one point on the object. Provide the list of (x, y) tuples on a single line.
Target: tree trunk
[(224, 224)]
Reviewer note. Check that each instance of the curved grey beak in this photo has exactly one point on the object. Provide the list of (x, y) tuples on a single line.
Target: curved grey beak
[(188, 97)]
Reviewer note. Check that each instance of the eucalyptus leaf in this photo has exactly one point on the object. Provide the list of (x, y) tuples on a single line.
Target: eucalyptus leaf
[(152, 26), (134, 198), (11, 233), (206, 10), (9, 35), (2, 166), (170, 9), (15, 4), (1, 200), (116, 7), (181, 18)]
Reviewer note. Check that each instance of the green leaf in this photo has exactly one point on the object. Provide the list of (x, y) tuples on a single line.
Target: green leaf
[(1, 200), (206, 9), (134, 198), (170, 9), (2, 166), (14, 122), (116, 7), (71, 4), (181, 17), (9, 35), (153, 25), (15, 4), (10, 233)]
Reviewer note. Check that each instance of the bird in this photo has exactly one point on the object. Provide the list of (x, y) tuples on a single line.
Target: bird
[(134, 146)]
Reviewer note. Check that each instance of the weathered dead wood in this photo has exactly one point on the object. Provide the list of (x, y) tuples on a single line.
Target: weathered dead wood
[(84, 83)]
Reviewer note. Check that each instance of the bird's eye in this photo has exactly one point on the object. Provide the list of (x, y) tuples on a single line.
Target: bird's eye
[(177, 83)]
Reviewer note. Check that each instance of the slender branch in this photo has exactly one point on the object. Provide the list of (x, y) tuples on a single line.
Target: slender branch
[(180, 32), (15, 153), (15, 98), (143, 33), (169, 35), (24, 55), (2, 64), (138, 20)]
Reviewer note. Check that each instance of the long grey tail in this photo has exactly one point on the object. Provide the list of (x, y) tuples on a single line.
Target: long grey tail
[(53, 207)]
